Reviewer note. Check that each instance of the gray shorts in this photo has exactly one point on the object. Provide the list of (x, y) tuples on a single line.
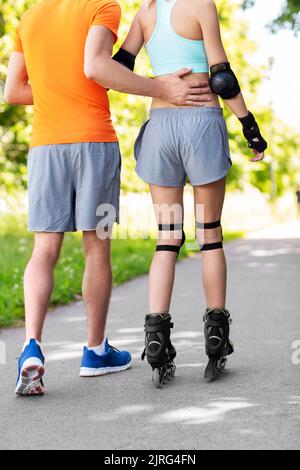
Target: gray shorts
[(68, 182), (180, 143)]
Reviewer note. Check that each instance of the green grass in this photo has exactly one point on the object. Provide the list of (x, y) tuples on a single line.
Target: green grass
[(130, 258)]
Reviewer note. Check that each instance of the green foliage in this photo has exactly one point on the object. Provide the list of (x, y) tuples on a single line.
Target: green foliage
[(289, 16), (130, 258), (129, 112), (15, 121)]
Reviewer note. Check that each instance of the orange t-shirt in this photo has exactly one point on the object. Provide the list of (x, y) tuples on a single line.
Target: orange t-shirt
[(67, 106)]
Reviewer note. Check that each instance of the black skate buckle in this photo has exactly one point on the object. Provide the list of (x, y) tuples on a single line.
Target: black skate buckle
[(226, 313)]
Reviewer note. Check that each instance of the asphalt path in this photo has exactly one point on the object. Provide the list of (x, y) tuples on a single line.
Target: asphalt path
[(255, 405)]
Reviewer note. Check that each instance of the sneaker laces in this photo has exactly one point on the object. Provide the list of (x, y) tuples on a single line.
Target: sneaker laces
[(112, 347)]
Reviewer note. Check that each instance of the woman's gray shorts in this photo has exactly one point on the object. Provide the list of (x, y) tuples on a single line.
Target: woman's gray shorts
[(176, 143)]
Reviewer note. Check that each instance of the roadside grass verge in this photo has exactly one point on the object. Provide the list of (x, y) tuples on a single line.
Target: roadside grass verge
[(130, 258)]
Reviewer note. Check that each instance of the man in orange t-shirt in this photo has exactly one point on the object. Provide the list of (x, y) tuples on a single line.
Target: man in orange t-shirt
[(74, 161)]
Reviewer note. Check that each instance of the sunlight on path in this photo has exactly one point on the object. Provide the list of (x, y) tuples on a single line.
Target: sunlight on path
[(192, 415), (289, 230)]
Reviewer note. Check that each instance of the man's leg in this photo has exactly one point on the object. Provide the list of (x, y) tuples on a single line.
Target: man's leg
[(38, 281), (97, 192), (38, 285), (99, 357), (96, 286)]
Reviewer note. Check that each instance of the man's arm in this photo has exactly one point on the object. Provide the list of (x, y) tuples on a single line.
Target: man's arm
[(100, 67), (17, 89)]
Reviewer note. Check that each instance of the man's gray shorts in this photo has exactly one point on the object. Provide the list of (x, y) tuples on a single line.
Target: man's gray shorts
[(179, 143), (73, 186)]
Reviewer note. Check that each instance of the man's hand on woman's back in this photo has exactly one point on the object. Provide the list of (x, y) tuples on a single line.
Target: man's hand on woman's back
[(176, 90)]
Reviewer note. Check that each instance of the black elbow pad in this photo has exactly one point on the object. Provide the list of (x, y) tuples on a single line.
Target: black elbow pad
[(125, 58), (223, 81)]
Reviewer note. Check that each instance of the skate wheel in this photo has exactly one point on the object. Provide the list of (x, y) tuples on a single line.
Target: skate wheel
[(157, 378), (167, 374), (222, 363), (214, 367), (172, 370), (210, 371), (164, 375)]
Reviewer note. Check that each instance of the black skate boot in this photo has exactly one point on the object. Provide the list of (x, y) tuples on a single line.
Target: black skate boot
[(159, 350), (217, 343)]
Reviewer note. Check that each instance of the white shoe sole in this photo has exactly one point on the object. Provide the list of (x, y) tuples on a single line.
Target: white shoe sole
[(91, 372), (29, 382)]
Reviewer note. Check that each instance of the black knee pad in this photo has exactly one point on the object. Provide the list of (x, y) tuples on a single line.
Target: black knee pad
[(208, 226), (171, 228)]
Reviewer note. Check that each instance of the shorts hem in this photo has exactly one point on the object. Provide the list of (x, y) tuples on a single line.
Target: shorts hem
[(30, 229), (211, 180), (79, 229), (166, 185), (71, 230)]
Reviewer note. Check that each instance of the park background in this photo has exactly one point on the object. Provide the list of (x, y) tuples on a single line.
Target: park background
[(262, 44)]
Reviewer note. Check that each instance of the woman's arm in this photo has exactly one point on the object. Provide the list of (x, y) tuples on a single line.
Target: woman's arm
[(209, 22), (135, 38), (132, 45), (223, 78)]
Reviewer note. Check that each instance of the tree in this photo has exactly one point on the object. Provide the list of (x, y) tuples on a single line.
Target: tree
[(129, 112), (288, 18), (15, 121)]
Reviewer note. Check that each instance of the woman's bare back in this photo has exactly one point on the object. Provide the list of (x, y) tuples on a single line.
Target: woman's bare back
[(185, 23)]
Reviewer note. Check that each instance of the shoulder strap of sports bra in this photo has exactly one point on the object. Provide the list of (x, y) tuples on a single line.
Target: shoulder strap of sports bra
[(164, 10)]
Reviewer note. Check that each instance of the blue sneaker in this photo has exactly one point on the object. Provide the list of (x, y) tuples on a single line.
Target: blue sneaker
[(112, 360), (31, 370)]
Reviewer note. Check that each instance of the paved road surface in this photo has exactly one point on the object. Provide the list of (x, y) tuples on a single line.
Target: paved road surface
[(256, 404)]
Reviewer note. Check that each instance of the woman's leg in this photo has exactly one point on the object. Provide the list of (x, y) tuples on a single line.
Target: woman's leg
[(214, 269), (168, 206)]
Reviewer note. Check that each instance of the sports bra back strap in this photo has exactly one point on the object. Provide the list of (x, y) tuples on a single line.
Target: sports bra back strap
[(164, 10)]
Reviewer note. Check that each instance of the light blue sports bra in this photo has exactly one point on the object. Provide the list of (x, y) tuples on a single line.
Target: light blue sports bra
[(168, 51)]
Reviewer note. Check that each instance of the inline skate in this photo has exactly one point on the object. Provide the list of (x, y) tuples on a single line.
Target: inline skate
[(217, 343), (159, 350)]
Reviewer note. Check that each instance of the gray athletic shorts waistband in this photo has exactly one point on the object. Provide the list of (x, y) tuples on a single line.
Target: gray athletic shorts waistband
[(186, 112)]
